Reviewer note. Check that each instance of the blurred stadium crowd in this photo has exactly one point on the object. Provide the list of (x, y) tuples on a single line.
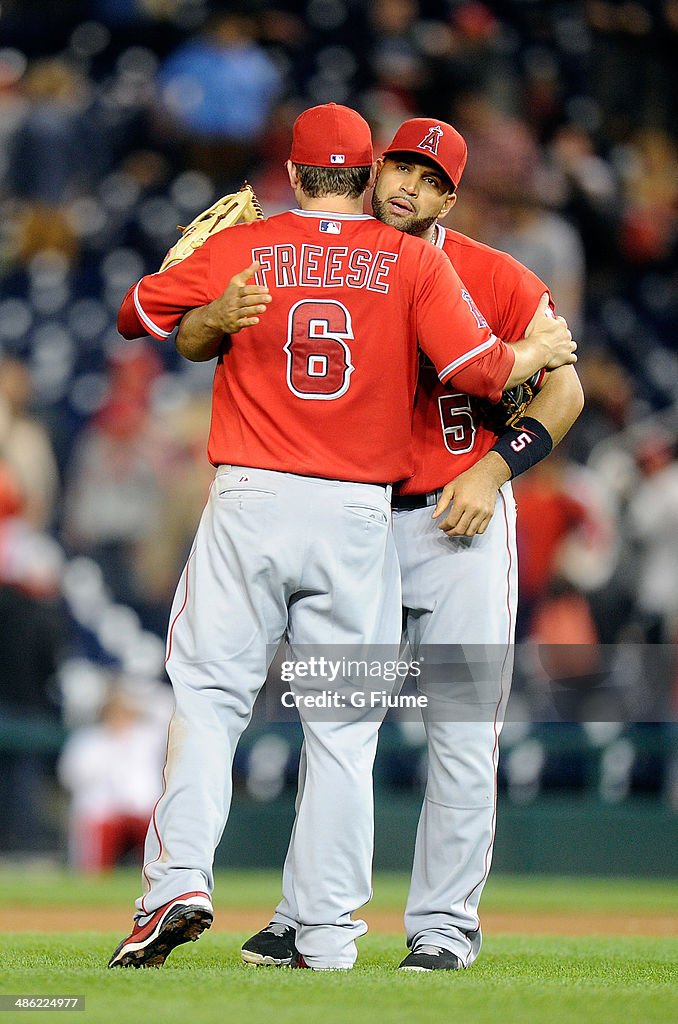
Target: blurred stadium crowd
[(120, 119)]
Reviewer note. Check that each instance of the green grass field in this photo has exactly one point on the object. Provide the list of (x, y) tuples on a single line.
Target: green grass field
[(518, 978)]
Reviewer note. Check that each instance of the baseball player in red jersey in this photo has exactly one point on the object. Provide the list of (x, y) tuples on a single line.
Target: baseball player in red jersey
[(295, 537), (459, 569)]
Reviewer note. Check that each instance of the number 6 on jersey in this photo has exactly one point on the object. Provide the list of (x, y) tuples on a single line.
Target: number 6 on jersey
[(318, 358)]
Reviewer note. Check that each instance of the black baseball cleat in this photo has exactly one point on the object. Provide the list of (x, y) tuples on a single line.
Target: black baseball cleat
[(431, 958), (183, 919), (273, 946)]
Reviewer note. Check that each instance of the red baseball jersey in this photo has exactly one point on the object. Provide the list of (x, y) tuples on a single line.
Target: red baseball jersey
[(447, 435), (324, 384)]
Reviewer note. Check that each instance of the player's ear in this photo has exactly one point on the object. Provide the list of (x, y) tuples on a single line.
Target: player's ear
[(447, 205), (292, 174), (373, 174)]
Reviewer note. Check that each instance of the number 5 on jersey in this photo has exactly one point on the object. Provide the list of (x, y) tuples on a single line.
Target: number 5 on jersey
[(318, 359), (456, 419)]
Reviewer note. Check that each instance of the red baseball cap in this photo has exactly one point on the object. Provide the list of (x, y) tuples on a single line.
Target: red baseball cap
[(331, 136), (435, 140)]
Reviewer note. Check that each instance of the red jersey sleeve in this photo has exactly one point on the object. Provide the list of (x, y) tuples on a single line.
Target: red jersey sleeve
[(129, 324), (156, 303), (453, 332), (496, 366)]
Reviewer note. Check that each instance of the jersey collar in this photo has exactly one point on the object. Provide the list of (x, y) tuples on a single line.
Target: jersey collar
[(319, 215), (439, 237)]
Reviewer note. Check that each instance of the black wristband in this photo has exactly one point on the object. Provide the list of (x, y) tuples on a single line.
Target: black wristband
[(523, 445)]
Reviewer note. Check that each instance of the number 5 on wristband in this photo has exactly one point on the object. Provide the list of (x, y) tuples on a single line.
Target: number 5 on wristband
[(523, 445)]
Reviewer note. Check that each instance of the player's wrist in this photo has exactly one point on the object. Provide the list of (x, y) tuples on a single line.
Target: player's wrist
[(216, 319), (523, 445), (195, 340), (530, 355), (495, 467)]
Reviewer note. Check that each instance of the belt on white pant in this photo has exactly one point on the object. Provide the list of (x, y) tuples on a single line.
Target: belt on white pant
[(405, 502)]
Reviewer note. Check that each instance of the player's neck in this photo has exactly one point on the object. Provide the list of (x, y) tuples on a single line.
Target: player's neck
[(430, 234), (332, 204)]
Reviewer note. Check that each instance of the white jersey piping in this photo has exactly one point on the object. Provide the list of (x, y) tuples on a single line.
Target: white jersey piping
[(467, 356), (143, 316)]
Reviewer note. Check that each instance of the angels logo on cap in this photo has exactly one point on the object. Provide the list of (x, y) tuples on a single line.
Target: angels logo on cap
[(431, 140)]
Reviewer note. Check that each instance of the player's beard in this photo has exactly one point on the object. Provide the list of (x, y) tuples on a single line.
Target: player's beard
[(410, 225)]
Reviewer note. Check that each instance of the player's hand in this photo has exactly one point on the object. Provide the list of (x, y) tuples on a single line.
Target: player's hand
[(552, 335), (471, 498), (241, 304)]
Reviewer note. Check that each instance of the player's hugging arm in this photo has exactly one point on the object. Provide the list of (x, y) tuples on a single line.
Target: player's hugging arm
[(469, 357), (547, 339), (201, 331), (159, 302), (547, 344), (155, 304)]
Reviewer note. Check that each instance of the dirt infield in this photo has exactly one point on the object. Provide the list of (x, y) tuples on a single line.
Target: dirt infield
[(64, 919)]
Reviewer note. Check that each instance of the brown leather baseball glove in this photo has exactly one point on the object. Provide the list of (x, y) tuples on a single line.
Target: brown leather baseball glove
[(227, 211), (512, 405)]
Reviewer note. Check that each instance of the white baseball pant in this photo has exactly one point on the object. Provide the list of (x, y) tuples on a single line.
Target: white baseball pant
[(275, 553), (458, 591)]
